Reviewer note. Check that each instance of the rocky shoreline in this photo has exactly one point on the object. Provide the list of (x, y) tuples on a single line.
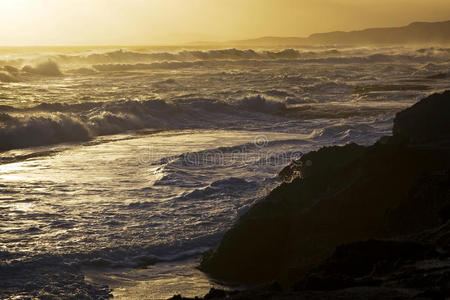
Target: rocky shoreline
[(351, 222)]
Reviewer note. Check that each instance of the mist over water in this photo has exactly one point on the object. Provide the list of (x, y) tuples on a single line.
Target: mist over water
[(126, 159)]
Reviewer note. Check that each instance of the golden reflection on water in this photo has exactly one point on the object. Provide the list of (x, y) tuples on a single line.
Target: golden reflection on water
[(23, 207), (160, 281), (8, 172)]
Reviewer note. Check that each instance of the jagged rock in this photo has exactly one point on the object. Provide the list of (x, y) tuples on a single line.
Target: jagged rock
[(343, 195), (326, 161), (299, 224)]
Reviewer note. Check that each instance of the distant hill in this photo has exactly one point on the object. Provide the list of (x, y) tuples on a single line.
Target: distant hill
[(428, 33)]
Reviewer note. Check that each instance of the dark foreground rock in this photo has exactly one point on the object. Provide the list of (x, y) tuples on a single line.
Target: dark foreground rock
[(425, 121), (412, 267), (352, 221)]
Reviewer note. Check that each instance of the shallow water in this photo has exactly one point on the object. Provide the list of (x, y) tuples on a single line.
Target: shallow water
[(132, 164), (160, 281)]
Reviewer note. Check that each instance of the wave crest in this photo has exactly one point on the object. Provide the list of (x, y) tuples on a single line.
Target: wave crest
[(40, 130), (51, 123), (7, 77), (48, 68), (261, 104)]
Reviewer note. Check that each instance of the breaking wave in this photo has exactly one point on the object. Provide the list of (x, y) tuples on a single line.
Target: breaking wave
[(7, 77), (134, 60), (48, 68), (40, 130), (51, 123), (10, 73), (371, 59), (125, 56)]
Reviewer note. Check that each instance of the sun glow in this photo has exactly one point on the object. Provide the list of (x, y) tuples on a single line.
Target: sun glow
[(150, 22)]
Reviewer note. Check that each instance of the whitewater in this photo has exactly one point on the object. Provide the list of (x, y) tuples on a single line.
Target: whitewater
[(119, 168)]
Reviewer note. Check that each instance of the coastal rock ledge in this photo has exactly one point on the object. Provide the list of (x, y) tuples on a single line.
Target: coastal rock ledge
[(359, 222)]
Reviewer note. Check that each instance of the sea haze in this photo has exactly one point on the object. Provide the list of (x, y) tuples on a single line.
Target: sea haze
[(125, 165)]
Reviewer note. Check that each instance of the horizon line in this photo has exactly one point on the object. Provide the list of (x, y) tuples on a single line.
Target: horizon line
[(206, 43)]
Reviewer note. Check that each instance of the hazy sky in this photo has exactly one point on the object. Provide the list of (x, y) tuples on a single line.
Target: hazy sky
[(146, 22)]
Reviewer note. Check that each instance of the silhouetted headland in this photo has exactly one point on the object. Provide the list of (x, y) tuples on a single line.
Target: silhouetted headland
[(417, 33)]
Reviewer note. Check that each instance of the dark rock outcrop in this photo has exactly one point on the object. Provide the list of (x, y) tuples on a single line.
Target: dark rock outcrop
[(428, 201), (353, 217), (426, 121), (412, 267)]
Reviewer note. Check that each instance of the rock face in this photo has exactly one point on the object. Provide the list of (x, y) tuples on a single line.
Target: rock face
[(425, 121), (348, 213)]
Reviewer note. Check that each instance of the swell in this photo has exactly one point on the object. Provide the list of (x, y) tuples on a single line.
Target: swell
[(126, 59), (127, 56), (174, 65)]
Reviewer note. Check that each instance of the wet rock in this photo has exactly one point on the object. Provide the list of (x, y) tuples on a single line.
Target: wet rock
[(215, 294)]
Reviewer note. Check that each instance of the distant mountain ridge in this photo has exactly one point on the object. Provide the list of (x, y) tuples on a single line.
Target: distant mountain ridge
[(428, 33)]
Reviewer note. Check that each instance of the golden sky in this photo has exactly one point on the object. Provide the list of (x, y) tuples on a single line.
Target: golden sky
[(147, 22)]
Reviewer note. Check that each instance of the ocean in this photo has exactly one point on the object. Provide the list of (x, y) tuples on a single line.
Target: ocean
[(122, 166)]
